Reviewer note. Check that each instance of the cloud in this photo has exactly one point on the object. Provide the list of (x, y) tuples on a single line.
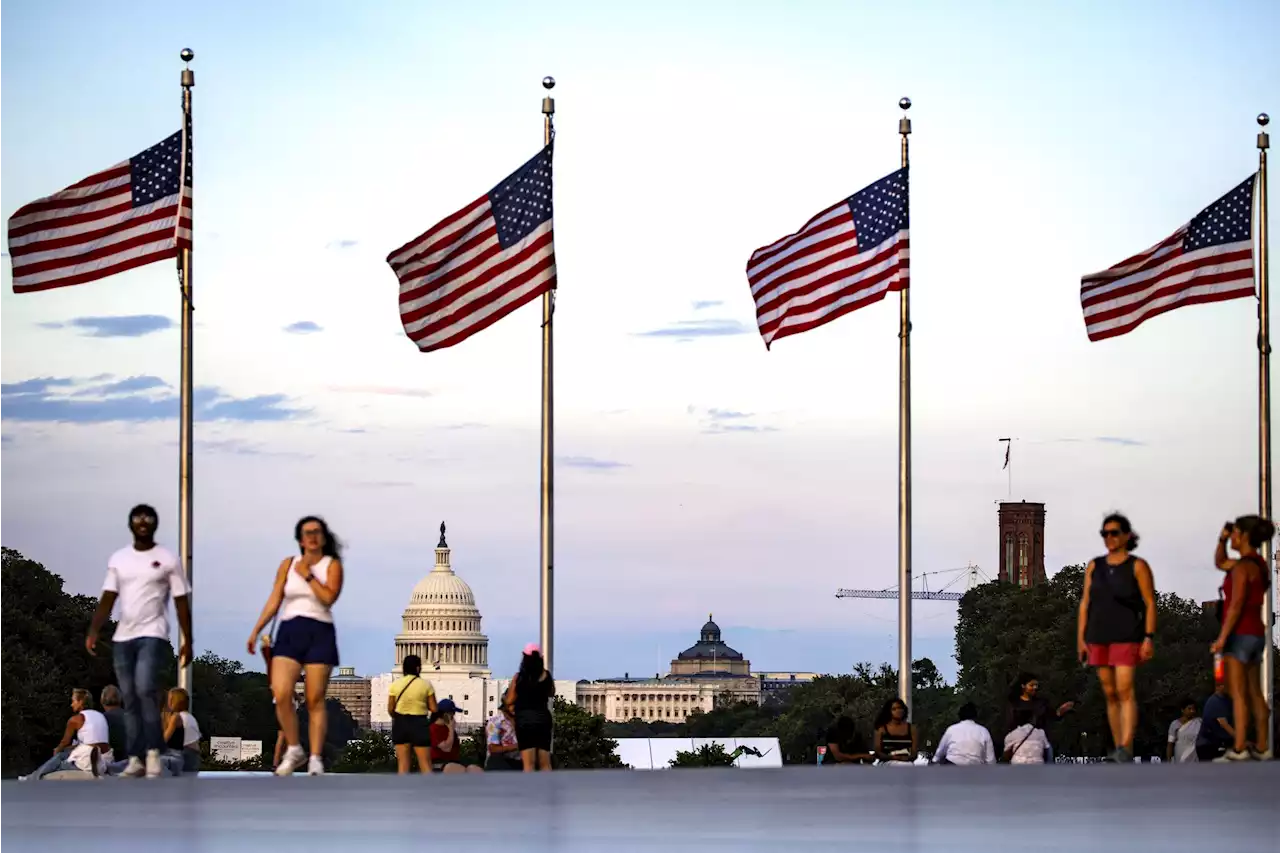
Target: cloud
[(382, 484), (240, 447), (303, 327), (703, 304), (6, 439), (466, 425), (687, 330), (718, 421), (342, 244), (1123, 442), (590, 463), (136, 399), (124, 326), (386, 390)]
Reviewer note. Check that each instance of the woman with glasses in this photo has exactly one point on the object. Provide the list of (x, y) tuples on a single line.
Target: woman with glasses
[(1116, 626), (305, 590)]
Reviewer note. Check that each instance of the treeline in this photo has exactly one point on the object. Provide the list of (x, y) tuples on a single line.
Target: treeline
[(1002, 630)]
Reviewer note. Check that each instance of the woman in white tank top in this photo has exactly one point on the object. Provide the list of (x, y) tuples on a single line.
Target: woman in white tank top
[(305, 589)]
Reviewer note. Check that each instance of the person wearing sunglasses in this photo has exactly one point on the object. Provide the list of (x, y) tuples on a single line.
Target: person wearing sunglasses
[(1116, 626)]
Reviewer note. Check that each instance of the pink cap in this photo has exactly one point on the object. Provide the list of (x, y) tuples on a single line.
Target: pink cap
[(532, 648)]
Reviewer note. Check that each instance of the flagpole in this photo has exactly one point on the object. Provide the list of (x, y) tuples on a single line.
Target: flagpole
[(904, 461), (1264, 415), (186, 379), (546, 546)]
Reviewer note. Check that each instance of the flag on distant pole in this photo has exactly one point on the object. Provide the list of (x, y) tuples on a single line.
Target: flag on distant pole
[(481, 263), (134, 213), (1210, 259), (848, 256), (1007, 448)]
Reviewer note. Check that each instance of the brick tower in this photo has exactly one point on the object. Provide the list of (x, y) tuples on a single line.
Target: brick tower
[(1022, 543)]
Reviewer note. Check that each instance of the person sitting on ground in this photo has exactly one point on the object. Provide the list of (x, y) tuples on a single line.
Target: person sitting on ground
[(117, 724), (503, 750), (1183, 733), (966, 742), (1027, 743), (896, 738), (181, 732), (845, 745), (446, 748), (85, 743), (1217, 733)]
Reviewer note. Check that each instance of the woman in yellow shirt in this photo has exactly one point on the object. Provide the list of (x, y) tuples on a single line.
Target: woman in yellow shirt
[(411, 702)]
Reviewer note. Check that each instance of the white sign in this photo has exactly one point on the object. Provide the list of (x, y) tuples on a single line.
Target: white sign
[(227, 748), (250, 749)]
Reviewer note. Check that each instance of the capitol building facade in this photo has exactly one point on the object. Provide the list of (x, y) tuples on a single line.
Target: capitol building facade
[(442, 626)]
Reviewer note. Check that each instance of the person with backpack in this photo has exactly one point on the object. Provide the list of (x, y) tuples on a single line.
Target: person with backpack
[(411, 700), (1243, 635)]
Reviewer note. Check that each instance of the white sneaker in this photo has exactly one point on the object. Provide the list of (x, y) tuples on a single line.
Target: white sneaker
[(1233, 755), (135, 768), (155, 768), (315, 767), (1269, 755), (292, 760)]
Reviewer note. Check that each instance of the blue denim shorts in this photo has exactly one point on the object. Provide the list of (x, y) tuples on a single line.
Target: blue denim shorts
[(306, 641), (1245, 648)]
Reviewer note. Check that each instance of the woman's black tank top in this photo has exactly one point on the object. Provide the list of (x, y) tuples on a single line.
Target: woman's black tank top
[(1117, 612)]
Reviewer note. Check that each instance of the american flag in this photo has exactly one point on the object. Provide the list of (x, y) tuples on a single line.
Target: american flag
[(132, 214), (1210, 259), (848, 256), (479, 264)]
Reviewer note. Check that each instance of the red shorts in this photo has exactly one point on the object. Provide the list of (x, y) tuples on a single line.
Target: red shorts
[(1115, 654)]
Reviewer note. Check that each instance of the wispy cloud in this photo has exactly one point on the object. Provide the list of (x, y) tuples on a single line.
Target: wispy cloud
[(240, 447), (342, 244), (303, 327), (136, 399), (384, 390), (591, 463), (382, 484), (124, 326), (703, 304), (687, 330), (466, 425), (718, 421), (1123, 442)]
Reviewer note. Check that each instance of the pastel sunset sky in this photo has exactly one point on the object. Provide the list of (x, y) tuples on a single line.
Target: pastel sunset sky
[(696, 471)]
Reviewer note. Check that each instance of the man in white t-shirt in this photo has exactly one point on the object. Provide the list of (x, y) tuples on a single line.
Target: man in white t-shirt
[(142, 577), (1183, 733)]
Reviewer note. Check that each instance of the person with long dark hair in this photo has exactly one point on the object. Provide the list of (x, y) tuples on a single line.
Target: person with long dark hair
[(1243, 635), (410, 701), (1025, 695), (896, 737), (305, 590), (1116, 626), (530, 694)]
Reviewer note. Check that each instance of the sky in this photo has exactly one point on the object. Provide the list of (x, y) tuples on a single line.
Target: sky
[(696, 472)]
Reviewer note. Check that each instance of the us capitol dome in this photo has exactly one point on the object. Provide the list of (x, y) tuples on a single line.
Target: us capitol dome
[(441, 625)]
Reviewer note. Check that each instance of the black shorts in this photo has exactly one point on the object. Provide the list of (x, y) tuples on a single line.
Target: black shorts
[(306, 640), (533, 730), (411, 729)]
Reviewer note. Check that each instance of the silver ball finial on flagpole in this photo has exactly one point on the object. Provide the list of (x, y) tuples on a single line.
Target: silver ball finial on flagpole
[(905, 103), (548, 82), (187, 54)]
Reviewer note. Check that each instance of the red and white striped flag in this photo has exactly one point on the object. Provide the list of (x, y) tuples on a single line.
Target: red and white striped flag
[(1210, 259), (479, 264), (135, 213), (848, 256)]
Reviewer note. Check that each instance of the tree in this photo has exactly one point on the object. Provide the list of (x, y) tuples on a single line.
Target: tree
[(373, 752), (707, 755), (43, 658), (1004, 629), (580, 742)]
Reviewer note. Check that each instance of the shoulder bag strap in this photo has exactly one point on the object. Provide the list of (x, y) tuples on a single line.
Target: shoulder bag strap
[(1014, 751), (404, 690)]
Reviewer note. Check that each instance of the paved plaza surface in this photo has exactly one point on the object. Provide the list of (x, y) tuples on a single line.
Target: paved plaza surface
[(1082, 809)]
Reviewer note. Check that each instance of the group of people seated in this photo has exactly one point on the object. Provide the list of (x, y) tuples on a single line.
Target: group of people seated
[(96, 742)]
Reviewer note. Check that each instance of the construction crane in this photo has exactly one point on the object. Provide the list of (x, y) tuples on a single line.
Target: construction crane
[(974, 574)]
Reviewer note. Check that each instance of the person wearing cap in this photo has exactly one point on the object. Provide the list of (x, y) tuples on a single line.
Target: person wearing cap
[(530, 694), (446, 748)]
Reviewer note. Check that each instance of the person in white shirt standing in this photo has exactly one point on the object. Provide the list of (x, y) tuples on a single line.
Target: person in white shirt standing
[(966, 742), (305, 589), (142, 577), (1183, 733)]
